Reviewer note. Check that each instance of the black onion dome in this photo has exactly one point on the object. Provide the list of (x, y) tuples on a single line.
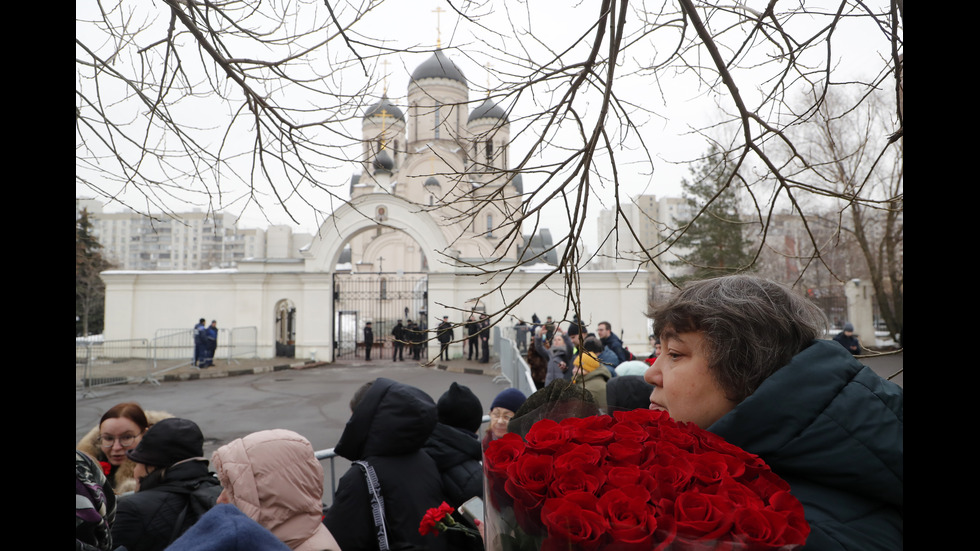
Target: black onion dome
[(387, 106), (438, 66), (383, 161), (487, 110)]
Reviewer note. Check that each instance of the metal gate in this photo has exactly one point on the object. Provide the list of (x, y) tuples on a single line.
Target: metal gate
[(382, 299)]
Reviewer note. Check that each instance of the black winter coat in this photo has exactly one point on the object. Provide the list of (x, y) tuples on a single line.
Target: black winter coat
[(834, 430), (457, 454), (388, 429), (147, 519)]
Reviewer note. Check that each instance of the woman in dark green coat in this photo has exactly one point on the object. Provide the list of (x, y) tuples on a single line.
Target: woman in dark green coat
[(741, 357)]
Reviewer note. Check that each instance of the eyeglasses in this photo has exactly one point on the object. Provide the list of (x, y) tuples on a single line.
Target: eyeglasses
[(126, 440), (497, 416)]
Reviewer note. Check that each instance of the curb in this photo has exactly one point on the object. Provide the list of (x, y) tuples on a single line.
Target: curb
[(236, 372)]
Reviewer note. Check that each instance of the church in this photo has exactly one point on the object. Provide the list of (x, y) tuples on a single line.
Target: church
[(432, 228)]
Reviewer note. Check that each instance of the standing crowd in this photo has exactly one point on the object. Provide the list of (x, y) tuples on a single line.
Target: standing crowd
[(739, 356)]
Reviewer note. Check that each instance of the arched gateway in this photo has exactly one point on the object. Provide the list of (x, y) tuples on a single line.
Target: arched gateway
[(375, 295)]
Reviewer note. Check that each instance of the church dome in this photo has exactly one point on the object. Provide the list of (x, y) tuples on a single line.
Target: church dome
[(438, 66), (518, 183), (487, 110), (431, 182), (386, 106), (383, 161)]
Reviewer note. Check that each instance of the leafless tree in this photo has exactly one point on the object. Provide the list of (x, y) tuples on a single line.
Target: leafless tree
[(586, 108)]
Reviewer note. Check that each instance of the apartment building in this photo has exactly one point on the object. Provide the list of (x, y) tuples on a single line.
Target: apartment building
[(653, 221), (184, 241)]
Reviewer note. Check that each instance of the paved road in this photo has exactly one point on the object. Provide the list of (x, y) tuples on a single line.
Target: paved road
[(313, 402)]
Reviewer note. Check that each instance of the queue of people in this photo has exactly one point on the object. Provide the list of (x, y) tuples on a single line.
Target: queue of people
[(739, 356), (265, 489)]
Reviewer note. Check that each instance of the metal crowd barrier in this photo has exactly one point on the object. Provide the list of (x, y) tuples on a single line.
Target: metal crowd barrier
[(105, 363)]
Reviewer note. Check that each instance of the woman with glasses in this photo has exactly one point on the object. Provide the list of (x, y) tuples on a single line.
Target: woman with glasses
[(502, 410), (119, 430)]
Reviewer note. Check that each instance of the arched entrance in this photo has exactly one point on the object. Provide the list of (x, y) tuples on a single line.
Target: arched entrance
[(379, 296), (285, 328)]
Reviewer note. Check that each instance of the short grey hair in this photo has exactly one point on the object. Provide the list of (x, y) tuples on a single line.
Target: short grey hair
[(752, 326)]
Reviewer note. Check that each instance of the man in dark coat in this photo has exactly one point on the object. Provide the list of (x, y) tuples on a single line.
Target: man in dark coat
[(848, 339), (485, 338), (445, 335), (200, 342), (398, 343), (389, 424), (612, 341), (472, 328), (368, 340), (169, 467)]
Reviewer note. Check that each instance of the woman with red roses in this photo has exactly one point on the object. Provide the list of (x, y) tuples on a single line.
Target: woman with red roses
[(742, 357)]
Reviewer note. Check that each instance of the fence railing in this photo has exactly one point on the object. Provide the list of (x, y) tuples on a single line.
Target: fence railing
[(102, 363)]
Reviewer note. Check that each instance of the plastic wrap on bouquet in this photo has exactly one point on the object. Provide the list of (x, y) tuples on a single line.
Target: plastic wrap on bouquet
[(632, 480)]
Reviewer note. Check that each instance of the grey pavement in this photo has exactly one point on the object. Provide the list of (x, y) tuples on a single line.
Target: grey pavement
[(231, 400)]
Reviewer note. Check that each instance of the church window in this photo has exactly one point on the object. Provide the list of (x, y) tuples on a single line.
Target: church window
[(489, 153), (436, 127), (489, 225)]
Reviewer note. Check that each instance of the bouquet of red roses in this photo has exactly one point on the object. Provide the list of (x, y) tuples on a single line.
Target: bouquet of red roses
[(633, 480)]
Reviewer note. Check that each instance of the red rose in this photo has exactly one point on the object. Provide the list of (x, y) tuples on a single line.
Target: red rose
[(581, 477), (683, 439), (740, 495), (761, 528), (631, 519), (106, 467), (631, 477), (703, 516), (629, 432), (712, 467), (503, 451), (546, 436), (573, 522), (528, 478), (785, 503), (590, 430), (574, 454)]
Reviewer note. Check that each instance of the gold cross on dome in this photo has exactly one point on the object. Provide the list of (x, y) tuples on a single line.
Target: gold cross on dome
[(438, 11)]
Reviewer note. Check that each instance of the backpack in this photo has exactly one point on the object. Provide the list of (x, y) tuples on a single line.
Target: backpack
[(200, 499)]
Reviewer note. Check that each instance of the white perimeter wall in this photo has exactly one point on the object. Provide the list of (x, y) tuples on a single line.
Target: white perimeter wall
[(140, 303)]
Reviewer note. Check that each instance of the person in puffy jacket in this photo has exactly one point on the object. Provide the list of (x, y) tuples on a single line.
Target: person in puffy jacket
[(169, 467), (274, 477), (742, 357), (389, 424), (455, 446)]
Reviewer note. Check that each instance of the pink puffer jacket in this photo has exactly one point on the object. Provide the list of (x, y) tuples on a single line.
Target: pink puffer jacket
[(274, 477)]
